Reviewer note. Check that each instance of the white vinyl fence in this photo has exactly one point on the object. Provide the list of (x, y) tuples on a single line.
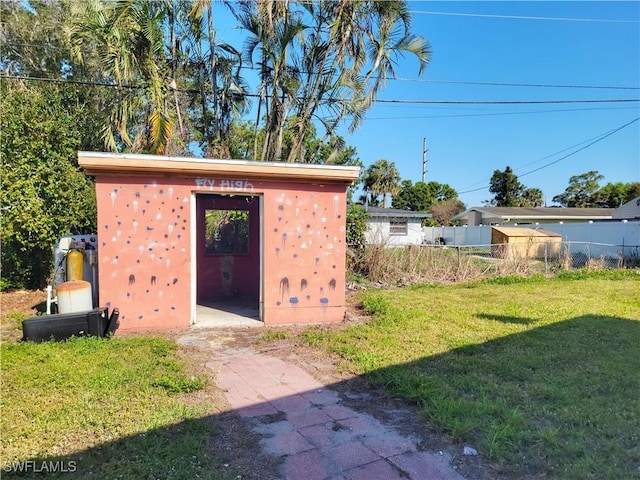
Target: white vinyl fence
[(614, 238)]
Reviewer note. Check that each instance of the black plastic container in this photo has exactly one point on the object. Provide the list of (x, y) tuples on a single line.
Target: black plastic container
[(62, 326)]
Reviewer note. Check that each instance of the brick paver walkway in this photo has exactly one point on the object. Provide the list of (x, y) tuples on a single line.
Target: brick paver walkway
[(304, 422)]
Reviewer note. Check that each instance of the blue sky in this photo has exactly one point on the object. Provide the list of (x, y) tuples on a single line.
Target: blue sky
[(466, 143)]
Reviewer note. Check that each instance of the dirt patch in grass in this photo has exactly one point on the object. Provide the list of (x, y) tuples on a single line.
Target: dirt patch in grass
[(27, 302), (16, 306)]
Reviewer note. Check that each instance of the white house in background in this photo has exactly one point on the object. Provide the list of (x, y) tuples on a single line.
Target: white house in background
[(628, 211), (394, 227), (530, 215)]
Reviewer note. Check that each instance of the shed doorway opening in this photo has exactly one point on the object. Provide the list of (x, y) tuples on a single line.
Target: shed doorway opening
[(228, 260)]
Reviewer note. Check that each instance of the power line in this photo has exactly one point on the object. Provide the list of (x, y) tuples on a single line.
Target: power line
[(424, 80), (581, 148), (415, 102), (599, 139), (525, 17), (520, 167), (501, 84), (74, 82), (498, 113), (38, 45), (503, 102), (495, 84)]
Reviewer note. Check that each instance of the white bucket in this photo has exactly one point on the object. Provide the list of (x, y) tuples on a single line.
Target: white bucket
[(74, 296)]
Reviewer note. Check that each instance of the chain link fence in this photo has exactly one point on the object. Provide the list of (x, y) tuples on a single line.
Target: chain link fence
[(550, 256), (435, 263)]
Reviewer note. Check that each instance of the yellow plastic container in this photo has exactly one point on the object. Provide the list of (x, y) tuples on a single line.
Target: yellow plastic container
[(75, 265)]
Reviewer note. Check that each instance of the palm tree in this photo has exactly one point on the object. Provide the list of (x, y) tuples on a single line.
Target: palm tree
[(214, 70), (362, 37), (391, 38), (130, 36), (381, 179), (322, 61), (532, 197), (273, 28)]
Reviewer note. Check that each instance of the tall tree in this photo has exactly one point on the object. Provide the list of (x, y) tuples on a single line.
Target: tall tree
[(130, 36), (381, 179), (420, 197), (509, 192), (33, 38), (581, 190), (506, 187), (531, 197), (211, 73), (415, 197), (323, 61), (364, 37), (273, 28), (442, 192), (319, 152), (612, 195), (43, 193)]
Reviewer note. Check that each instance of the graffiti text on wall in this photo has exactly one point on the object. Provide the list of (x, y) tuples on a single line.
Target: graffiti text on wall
[(225, 184)]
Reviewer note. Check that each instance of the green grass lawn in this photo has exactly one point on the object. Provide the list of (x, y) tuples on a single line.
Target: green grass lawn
[(540, 375), (103, 408)]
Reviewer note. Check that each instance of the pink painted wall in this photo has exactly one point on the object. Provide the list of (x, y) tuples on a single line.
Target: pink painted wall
[(144, 229), (304, 257)]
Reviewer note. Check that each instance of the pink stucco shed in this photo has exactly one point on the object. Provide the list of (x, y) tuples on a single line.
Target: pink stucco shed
[(153, 260)]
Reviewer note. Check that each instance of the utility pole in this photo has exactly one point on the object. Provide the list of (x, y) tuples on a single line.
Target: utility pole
[(424, 158)]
